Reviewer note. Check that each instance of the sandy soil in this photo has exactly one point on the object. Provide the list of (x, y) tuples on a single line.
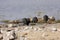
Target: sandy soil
[(37, 32)]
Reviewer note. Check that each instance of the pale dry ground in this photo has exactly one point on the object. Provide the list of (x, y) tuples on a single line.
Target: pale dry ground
[(37, 32)]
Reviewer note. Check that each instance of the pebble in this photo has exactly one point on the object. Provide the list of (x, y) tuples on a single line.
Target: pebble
[(44, 35), (39, 29), (26, 28), (54, 29), (10, 25), (26, 38), (35, 29), (31, 27)]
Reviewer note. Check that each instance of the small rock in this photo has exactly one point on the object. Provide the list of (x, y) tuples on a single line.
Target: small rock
[(44, 35), (26, 28), (10, 25), (2, 31), (39, 29), (26, 38), (35, 29), (54, 29), (8, 35), (31, 27)]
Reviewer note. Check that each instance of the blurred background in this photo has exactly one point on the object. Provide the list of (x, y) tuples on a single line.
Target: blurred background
[(17, 9)]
